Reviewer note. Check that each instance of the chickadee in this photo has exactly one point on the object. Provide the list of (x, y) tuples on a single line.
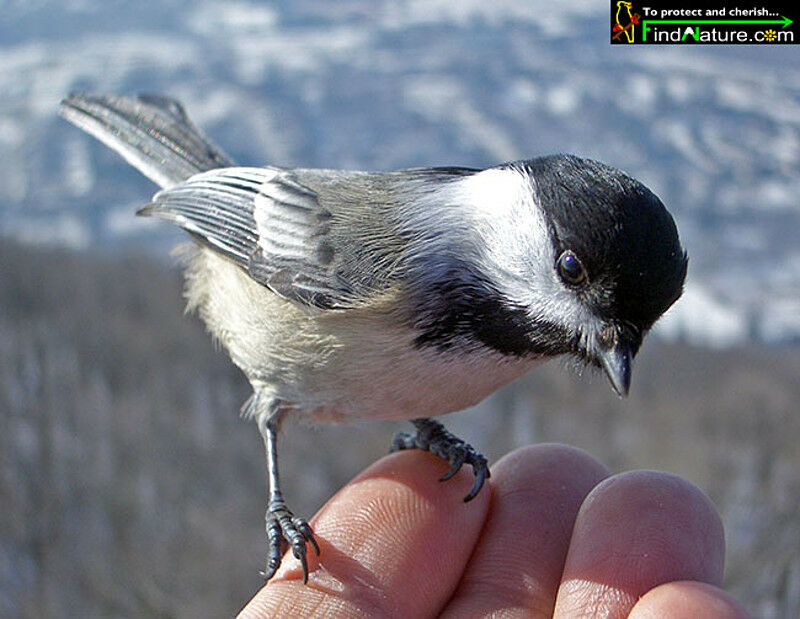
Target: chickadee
[(398, 295)]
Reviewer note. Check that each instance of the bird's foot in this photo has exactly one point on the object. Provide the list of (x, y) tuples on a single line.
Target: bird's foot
[(283, 528), (433, 437)]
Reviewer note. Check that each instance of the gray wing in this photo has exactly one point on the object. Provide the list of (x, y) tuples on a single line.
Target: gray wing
[(271, 225), (327, 239)]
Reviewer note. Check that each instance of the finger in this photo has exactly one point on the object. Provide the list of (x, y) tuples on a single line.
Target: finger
[(393, 542), (687, 600), (634, 532), (516, 567)]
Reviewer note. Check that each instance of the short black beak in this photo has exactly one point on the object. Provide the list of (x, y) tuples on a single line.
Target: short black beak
[(617, 362)]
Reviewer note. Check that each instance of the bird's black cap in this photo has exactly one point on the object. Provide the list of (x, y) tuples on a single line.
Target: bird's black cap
[(621, 232)]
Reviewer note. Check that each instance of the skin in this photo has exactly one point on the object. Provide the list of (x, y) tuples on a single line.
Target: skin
[(555, 535)]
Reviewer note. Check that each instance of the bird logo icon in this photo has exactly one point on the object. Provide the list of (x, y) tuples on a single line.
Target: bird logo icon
[(625, 22)]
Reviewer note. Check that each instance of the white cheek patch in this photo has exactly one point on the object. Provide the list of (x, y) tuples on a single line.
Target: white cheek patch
[(493, 219), (517, 248), (506, 225), (493, 192)]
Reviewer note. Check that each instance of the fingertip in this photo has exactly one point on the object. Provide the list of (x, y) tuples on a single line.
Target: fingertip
[(530, 461), (687, 600), (422, 473), (537, 491), (636, 531), (659, 514)]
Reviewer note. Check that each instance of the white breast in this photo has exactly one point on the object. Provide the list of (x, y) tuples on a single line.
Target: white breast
[(337, 364)]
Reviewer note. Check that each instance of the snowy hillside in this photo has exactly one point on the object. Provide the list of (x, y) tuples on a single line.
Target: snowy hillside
[(380, 85)]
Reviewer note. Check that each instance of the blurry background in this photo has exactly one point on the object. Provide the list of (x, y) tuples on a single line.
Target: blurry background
[(128, 484)]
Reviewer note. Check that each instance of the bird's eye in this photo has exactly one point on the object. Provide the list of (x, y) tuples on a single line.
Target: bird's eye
[(570, 269)]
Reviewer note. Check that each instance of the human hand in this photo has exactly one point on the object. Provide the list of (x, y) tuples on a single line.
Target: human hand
[(554, 536)]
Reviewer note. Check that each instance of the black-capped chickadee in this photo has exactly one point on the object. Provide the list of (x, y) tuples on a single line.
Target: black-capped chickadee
[(398, 295)]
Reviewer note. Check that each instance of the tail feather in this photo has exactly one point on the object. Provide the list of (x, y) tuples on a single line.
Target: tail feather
[(153, 133)]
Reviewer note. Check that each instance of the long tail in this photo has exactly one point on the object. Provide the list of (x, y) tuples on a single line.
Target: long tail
[(153, 133)]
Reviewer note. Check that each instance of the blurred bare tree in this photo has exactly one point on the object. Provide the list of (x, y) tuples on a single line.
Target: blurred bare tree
[(130, 487)]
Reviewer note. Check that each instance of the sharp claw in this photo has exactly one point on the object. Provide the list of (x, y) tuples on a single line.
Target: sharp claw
[(301, 556), (455, 468), (480, 476), (455, 465), (309, 535), (473, 493), (299, 552), (270, 570)]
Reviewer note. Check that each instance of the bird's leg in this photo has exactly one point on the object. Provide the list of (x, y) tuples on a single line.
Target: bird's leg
[(433, 437), (282, 525)]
